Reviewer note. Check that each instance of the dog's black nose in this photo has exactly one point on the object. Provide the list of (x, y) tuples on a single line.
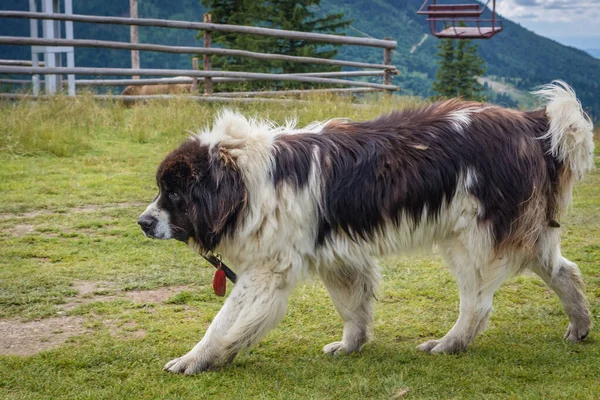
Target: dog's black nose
[(147, 223)]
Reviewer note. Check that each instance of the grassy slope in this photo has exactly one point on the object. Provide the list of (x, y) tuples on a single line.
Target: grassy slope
[(108, 158)]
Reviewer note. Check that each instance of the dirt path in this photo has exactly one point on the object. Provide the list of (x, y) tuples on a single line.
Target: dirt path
[(28, 338), (31, 337), (84, 209)]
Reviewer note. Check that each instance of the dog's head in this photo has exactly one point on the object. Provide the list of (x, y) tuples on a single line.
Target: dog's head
[(201, 195)]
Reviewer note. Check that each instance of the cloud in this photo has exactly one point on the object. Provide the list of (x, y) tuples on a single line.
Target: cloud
[(527, 2), (554, 17), (528, 16), (549, 10), (559, 5)]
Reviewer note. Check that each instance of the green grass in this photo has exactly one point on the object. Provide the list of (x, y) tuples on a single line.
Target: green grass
[(74, 177)]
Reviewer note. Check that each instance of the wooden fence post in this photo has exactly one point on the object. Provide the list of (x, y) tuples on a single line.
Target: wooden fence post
[(35, 57), (194, 89), (206, 58), (134, 37), (387, 60)]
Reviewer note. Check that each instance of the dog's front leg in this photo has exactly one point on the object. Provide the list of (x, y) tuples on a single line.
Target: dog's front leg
[(256, 304)]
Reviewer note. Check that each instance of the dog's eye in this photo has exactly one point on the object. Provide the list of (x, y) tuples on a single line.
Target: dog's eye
[(173, 196)]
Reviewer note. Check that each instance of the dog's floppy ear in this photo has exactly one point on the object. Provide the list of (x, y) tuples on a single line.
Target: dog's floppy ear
[(217, 199)]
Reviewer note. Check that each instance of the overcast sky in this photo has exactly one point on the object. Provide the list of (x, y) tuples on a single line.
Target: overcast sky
[(572, 22)]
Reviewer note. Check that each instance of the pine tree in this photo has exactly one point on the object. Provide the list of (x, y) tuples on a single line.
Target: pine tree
[(445, 78), (238, 12), (300, 16), (459, 67), (468, 67), (279, 14)]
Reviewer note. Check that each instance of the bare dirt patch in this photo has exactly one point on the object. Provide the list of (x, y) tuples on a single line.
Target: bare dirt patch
[(28, 338), (127, 330), (84, 209), (154, 296), (21, 230), (92, 291), (89, 292), (86, 288)]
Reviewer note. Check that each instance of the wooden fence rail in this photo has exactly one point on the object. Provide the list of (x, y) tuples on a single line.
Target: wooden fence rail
[(125, 82), (314, 37), (209, 99), (21, 63), (106, 44), (294, 92), (190, 73), (17, 81), (191, 76), (184, 79), (148, 81)]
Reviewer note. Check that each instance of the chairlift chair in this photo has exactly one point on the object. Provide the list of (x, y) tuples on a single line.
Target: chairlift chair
[(461, 21)]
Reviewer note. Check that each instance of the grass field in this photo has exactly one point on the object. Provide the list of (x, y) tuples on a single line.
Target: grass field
[(90, 309)]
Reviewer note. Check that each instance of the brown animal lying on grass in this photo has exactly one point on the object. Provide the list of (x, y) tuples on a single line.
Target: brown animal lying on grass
[(144, 90), (164, 88)]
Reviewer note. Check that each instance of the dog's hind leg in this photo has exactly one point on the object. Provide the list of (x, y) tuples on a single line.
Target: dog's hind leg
[(478, 280), (564, 278), (255, 305), (352, 289)]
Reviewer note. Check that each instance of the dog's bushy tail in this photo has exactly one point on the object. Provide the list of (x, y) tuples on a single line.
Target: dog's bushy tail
[(570, 130)]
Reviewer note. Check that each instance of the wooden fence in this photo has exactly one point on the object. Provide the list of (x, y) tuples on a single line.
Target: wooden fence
[(207, 74)]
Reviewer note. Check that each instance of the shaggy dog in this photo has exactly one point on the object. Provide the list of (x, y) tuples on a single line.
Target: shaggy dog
[(487, 185)]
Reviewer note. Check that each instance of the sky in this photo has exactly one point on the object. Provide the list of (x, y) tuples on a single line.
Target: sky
[(574, 23)]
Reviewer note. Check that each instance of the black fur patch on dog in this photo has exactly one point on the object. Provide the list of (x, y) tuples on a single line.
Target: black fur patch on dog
[(410, 161)]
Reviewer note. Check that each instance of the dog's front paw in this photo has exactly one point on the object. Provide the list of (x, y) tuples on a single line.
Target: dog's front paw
[(188, 365), (443, 346), (428, 346), (339, 348), (577, 332), (334, 349)]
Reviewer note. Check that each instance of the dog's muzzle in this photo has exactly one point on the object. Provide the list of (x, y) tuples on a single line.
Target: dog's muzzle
[(148, 224)]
